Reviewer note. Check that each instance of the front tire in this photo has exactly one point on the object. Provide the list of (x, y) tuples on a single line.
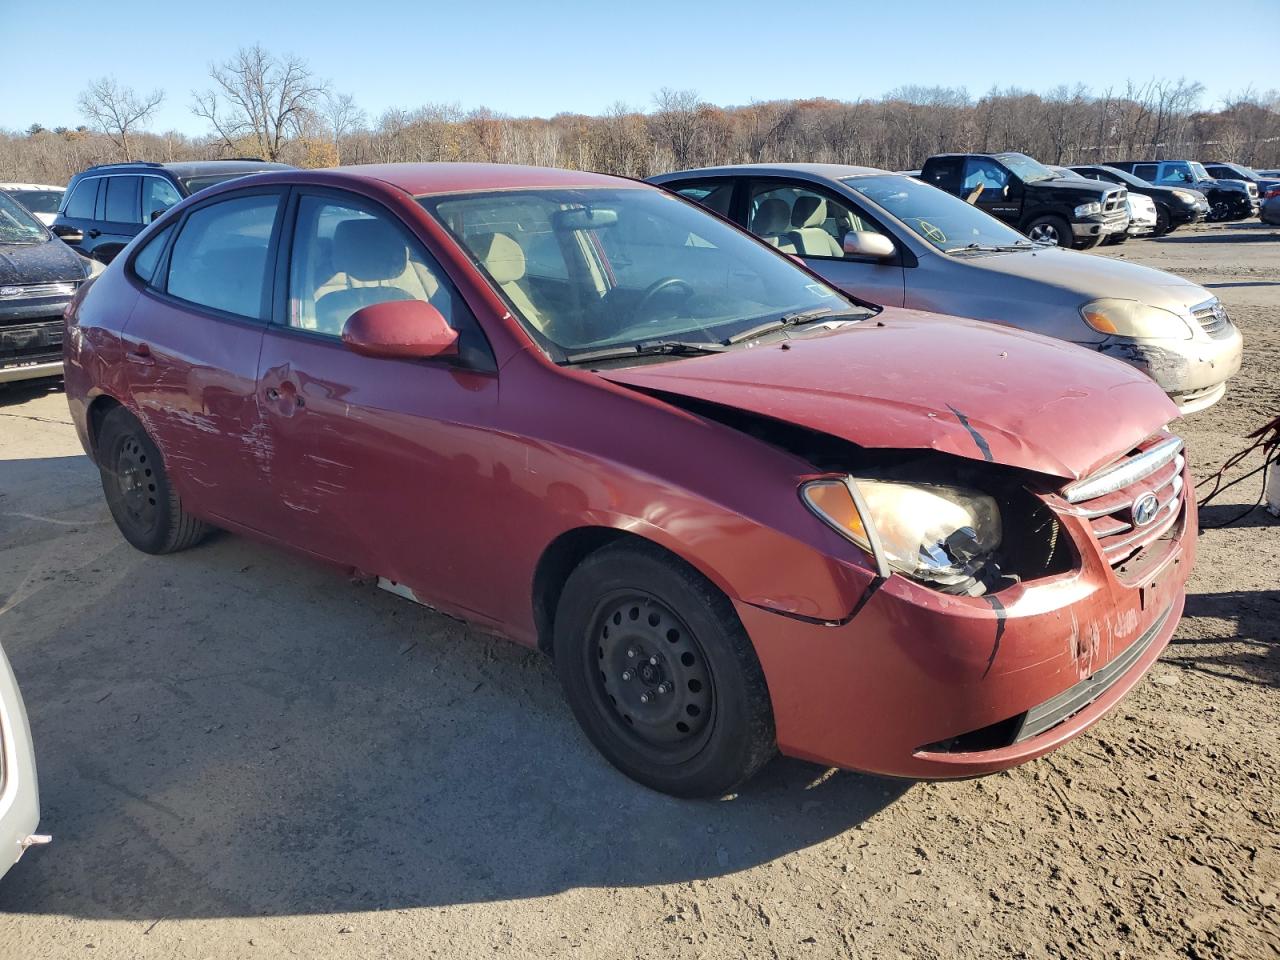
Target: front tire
[(1163, 224), (660, 674), (1049, 227), (142, 500), (1115, 239)]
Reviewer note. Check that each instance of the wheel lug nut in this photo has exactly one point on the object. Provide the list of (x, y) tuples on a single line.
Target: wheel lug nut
[(631, 652), (662, 688), (644, 698), (653, 661), (626, 674)]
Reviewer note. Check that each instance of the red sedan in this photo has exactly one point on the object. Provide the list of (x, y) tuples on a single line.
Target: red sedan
[(743, 512)]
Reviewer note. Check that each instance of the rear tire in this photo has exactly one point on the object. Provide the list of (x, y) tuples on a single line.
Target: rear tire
[(660, 674), (1050, 227), (142, 500)]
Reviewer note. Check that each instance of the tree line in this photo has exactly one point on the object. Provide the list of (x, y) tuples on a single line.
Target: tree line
[(275, 107)]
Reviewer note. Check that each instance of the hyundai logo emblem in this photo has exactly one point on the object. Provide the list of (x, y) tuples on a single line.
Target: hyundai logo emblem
[(1145, 509)]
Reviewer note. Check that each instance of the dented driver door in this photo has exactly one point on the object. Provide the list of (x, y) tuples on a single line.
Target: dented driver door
[(374, 462)]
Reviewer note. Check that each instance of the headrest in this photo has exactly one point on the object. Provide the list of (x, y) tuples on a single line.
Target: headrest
[(501, 256), (809, 211), (369, 250), (772, 216)]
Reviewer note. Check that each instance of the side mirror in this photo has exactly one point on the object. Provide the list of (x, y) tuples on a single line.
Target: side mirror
[(408, 329), (155, 215), (865, 243)]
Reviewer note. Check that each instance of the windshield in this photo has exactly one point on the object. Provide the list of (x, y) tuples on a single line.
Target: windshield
[(38, 201), (605, 267), (1028, 170), (945, 221), (18, 226), (1198, 171)]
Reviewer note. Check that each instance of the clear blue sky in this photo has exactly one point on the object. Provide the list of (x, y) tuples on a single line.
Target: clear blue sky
[(536, 59)]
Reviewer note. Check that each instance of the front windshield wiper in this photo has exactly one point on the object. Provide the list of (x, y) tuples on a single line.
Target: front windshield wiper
[(994, 247), (794, 319), (646, 348)]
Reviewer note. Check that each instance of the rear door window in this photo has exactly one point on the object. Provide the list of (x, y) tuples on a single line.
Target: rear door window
[(1147, 171), (122, 200), (715, 195), (221, 260)]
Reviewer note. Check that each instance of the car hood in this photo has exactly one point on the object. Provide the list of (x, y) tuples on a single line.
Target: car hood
[(908, 379), (1092, 276), (51, 261)]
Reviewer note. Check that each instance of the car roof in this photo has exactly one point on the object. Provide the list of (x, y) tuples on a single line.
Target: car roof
[(29, 186), (188, 168), (430, 178), (830, 171)]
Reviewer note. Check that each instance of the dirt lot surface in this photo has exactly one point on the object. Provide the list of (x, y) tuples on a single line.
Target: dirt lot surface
[(242, 755)]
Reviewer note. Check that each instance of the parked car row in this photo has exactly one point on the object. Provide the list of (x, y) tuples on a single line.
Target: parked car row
[(897, 241)]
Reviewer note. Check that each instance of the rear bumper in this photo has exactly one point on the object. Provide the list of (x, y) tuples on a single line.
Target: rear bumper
[(927, 686)]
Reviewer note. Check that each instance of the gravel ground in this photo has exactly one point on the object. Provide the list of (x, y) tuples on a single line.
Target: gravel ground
[(242, 755)]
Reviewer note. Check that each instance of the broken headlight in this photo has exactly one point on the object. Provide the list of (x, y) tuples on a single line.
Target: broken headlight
[(943, 536)]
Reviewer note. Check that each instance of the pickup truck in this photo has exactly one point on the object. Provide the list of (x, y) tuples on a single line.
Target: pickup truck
[(1228, 199), (1029, 196)]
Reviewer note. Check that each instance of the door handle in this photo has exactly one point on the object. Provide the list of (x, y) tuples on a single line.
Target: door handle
[(95, 232), (140, 354)]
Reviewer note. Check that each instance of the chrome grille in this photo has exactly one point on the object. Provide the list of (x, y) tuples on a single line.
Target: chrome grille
[(1115, 200), (34, 291), (1107, 499), (1212, 317)]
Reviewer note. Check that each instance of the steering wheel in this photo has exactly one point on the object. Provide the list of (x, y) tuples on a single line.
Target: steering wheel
[(659, 286), (931, 233)]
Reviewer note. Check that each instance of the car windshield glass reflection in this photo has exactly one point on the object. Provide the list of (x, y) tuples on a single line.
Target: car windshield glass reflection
[(590, 269), (1028, 170), (945, 221), (17, 225), (38, 201)]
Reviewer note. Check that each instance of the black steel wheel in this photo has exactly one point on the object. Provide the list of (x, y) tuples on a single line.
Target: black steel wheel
[(142, 501), (660, 674), (653, 675)]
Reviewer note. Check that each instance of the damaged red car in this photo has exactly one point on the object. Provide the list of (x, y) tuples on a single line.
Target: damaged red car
[(744, 513)]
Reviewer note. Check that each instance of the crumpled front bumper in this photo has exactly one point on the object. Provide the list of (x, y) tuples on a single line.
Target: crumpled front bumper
[(923, 685), (1193, 372)]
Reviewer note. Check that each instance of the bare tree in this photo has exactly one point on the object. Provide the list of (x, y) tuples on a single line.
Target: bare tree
[(677, 121), (343, 117), (258, 97), (118, 111)]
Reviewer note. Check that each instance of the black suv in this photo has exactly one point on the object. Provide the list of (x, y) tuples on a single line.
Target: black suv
[(1222, 170), (1029, 196), (1228, 199), (105, 206), (38, 277), (1175, 206)]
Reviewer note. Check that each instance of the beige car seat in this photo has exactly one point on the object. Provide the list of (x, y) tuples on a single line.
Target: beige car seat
[(371, 264), (770, 222), (503, 258), (811, 240)]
